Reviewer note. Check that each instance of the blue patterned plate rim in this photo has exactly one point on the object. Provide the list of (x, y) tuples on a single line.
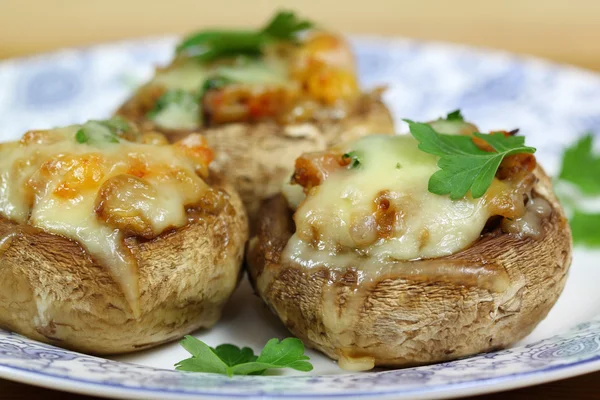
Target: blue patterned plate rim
[(468, 388)]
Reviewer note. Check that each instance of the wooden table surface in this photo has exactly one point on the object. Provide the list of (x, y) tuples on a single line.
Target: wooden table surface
[(564, 31)]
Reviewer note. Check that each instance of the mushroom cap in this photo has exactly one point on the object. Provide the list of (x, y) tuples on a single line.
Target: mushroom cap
[(483, 298), (51, 290)]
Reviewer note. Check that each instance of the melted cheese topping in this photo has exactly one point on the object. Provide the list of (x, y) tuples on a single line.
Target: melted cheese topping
[(191, 75), (98, 192), (382, 210), (284, 81), (530, 223), (184, 115)]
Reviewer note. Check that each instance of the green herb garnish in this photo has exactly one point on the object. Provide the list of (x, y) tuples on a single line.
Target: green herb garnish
[(102, 131), (463, 165), (209, 45), (286, 26), (230, 360), (81, 136), (455, 116), (585, 228), (179, 97), (354, 159), (581, 166)]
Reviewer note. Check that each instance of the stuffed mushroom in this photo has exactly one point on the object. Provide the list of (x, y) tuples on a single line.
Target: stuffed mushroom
[(113, 240), (260, 98), (371, 258)]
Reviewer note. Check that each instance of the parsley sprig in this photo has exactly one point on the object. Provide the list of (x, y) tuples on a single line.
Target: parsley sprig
[(209, 45), (228, 359), (585, 228), (102, 131), (286, 26), (455, 115), (581, 168), (463, 166)]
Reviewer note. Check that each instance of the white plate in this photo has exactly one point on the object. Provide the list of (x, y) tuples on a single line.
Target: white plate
[(551, 104)]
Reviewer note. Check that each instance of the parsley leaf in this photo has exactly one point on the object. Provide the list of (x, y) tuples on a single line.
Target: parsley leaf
[(204, 358), (289, 353), (463, 165), (354, 159), (585, 229), (81, 136), (230, 360), (577, 186), (285, 26), (581, 166), (233, 355), (102, 131), (455, 116), (210, 45), (206, 46)]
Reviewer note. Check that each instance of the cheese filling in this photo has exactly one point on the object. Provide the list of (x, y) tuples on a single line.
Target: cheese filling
[(380, 209), (191, 75), (283, 83), (98, 192), (182, 115)]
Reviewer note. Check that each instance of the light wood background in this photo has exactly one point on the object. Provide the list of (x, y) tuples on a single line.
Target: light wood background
[(562, 30)]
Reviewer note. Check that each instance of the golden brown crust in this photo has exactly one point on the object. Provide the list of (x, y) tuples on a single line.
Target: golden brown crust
[(415, 312), (52, 291), (257, 158)]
